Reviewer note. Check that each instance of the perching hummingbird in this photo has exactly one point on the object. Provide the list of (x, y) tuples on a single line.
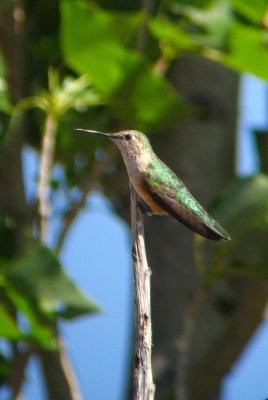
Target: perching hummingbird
[(161, 191)]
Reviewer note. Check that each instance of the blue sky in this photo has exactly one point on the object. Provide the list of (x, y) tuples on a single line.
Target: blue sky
[(97, 255)]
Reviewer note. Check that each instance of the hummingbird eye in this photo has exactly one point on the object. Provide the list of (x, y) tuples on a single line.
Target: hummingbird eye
[(128, 136)]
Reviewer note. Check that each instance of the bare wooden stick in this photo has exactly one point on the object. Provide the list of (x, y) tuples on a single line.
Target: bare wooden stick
[(143, 387)]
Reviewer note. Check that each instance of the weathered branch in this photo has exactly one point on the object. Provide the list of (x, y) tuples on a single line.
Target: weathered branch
[(46, 162), (143, 387)]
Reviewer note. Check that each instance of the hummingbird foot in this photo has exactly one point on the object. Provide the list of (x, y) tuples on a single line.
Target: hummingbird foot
[(144, 206)]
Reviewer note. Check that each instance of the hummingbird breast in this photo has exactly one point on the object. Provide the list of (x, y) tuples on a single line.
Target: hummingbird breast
[(137, 171)]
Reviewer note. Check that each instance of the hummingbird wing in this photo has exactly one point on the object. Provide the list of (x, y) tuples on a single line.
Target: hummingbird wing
[(170, 193)]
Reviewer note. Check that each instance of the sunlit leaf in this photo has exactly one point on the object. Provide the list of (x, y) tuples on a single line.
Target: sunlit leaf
[(8, 327), (248, 50), (170, 34), (96, 46), (99, 47), (251, 9)]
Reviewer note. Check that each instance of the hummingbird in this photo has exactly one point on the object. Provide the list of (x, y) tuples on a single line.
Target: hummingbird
[(159, 188)]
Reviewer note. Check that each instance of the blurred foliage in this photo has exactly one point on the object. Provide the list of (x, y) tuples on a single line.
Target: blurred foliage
[(243, 210), (39, 274), (115, 67), (36, 286), (5, 104), (103, 66), (248, 251), (261, 137)]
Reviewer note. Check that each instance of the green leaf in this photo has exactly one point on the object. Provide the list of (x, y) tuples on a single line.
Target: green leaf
[(243, 211), (247, 50), (38, 330), (254, 10), (99, 47), (192, 3), (96, 45), (8, 327), (40, 276), (170, 34)]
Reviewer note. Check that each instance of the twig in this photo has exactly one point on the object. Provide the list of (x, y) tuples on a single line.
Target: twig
[(17, 376), (59, 377), (96, 172), (143, 387), (46, 161), (161, 66), (60, 380), (142, 33)]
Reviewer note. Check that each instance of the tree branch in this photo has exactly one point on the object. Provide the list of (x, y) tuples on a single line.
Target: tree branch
[(143, 387), (59, 377), (17, 376), (142, 34), (46, 162)]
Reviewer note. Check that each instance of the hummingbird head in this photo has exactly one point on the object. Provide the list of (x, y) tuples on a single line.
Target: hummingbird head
[(132, 144)]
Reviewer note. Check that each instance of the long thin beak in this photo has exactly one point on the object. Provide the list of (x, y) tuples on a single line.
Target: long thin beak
[(110, 135)]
